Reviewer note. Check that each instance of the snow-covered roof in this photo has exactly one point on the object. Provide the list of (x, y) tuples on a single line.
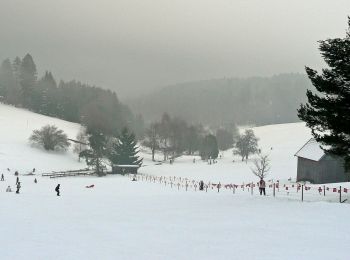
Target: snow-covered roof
[(311, 150)]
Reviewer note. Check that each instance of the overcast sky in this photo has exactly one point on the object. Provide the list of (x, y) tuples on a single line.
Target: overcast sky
[(132, 46)]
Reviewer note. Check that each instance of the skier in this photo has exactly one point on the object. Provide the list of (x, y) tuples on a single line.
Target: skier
[(262, 186), (57, 189), (18, 187), (35, 181), (8, 189), (2, 177), (17, 180)]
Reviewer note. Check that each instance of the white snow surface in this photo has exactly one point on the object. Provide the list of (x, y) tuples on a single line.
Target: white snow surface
[(123, 219), (311, 150)]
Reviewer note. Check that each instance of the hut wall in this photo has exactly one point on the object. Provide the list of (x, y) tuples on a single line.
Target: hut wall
[(328, 170)]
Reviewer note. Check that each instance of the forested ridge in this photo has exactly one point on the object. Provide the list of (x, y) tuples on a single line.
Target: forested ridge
[(217, 102), (72, 100)]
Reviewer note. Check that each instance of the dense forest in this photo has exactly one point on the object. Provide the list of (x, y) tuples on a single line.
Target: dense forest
[(218, 102), (69, 100)]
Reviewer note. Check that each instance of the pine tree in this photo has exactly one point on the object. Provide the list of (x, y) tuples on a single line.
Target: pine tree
[(327, 113), (28, 77), (97, 151), (209, 148), (7, 80), (124, 151)]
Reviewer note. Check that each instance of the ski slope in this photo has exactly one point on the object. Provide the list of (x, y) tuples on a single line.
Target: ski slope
[(122, 219)]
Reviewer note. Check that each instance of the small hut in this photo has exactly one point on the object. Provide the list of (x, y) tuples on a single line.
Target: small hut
[(317, 167), (125, 169)]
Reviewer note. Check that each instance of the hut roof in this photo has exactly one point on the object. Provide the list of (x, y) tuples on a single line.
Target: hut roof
[(311, 150)]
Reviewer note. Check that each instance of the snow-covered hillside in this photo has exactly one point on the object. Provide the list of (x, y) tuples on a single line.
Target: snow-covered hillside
[(16, 125), (124, 219)]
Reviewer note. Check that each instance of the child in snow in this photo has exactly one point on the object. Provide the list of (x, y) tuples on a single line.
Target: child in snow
[(262, 186), (35, 181), (2, 177), (8, 189), (57, 189), (18, 187)]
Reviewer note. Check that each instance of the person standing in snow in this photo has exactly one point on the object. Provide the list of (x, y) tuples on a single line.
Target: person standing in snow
[(8, 189), (18, 187), (2, 177), (35, 181), (57, 189), (17, 180), (262, 186), (201, 185)]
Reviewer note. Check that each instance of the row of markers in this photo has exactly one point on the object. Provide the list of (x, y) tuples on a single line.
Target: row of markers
[(188, 183)]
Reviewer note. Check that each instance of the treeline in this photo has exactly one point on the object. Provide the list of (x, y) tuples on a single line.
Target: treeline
[(256, 100), (173, 137), (72, 101)]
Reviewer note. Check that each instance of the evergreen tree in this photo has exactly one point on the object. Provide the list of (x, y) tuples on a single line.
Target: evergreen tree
[(7, 80), (28, 77), (124, 150), (48, 90), (327, 113), (97, 151), (209, 148)]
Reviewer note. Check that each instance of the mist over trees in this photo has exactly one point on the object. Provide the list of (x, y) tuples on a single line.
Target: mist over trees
[(73, 101), (217, 102), (173, 137)]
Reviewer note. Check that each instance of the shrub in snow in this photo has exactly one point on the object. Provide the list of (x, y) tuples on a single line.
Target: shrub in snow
[(50, 137)]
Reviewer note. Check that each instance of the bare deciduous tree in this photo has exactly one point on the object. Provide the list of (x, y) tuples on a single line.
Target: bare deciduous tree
[(50, 137), (261, 166)]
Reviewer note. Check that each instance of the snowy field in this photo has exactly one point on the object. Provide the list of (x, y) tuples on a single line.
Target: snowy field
[(121, 219)]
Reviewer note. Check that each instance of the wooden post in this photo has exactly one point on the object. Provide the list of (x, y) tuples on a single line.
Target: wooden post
[(234, 189), (186, 185), (302, 192), (206, 188), (251, 188), (274, 189), (340, 194), (324, 190), (219, 187)]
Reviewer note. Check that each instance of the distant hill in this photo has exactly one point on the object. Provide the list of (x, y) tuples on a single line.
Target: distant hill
[(255, 100)]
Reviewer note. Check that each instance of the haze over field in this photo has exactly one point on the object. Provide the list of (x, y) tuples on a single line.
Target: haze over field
[(133, 46)]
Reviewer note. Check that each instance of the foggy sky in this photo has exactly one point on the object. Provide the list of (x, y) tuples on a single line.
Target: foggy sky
[(132, 46)]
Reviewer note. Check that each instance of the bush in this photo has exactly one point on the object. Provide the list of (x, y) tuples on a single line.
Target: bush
[(50, 137)]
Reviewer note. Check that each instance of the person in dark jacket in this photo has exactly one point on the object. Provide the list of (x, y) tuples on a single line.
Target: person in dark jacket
[(17, 180), (201, 185), (18, 187), (2, 177), (57, 189)]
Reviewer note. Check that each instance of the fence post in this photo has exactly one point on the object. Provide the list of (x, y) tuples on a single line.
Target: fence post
[(274, 189), (340, 194), (302, 192), (251, 188), (234, 189), (324, 190)]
